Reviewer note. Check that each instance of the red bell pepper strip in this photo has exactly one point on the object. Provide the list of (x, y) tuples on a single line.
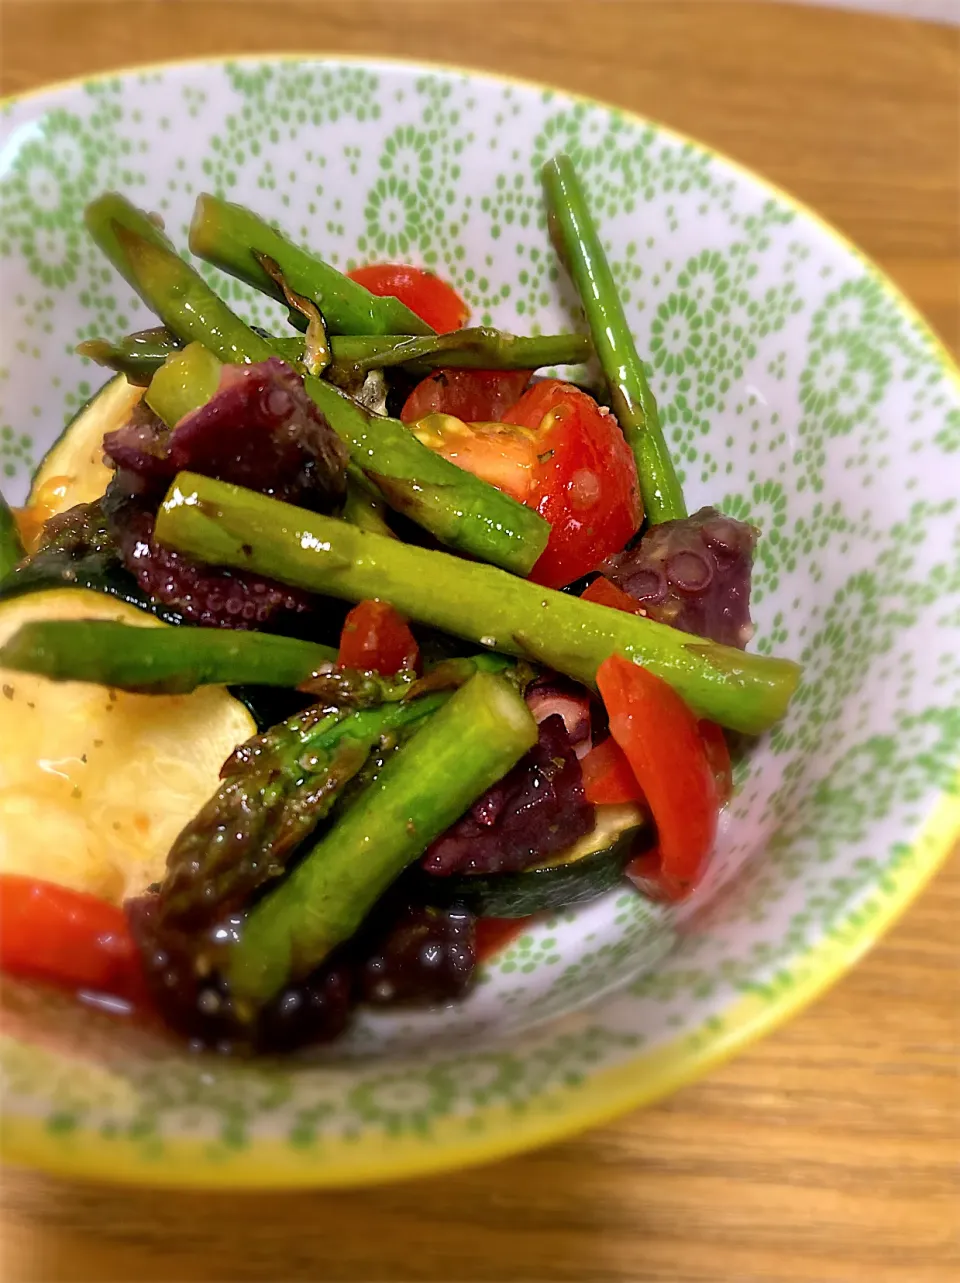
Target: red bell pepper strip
[(494, 934), (70, 938), (608, 777), (661, 740), (603, 592)]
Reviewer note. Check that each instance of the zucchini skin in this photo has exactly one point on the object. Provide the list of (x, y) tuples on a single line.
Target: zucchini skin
[(559, 886), (98, 573), (11, 547), (266, 705)]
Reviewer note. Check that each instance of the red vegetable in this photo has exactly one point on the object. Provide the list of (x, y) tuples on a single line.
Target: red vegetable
[(646, 874), (376, 639), (608, 776), (433, 300), (586, 482), (504, 456), (604, 593), (49, 932), (475, 396), (555, 451), (661, 740), (494, 934)]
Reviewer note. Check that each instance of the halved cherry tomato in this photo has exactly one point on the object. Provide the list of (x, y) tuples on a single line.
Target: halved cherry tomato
[(586, 480), (558, 452), (504, 456), (662, 742), (475, 396), (608, 777), (376, 639), (49, 932), (433, 300), (494, 934), (605, 593), (718, 755)]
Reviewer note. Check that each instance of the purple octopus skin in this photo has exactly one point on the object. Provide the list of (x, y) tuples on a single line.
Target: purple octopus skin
[(259, 430), (694, 574), (198, 1008), (424, 955), (314, 1011), (196, 1003), (536, 810), (409, 955), (203, 595), (142, 448)]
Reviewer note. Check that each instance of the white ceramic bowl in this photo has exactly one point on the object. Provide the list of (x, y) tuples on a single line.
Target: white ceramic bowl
[(798, 389)]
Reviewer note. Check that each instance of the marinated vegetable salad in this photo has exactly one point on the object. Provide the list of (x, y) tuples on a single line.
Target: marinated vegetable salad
[(328, 657)]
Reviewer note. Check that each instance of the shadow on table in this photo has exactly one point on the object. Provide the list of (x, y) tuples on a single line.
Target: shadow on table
[(541, 1216)]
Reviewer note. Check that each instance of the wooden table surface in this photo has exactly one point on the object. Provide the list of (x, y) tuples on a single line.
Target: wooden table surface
[(830, 1151)]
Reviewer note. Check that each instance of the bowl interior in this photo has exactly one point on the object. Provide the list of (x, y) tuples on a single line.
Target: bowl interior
[(798, 391)]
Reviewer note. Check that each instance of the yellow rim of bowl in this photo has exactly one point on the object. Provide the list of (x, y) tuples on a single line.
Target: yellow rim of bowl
[(642, 1080)]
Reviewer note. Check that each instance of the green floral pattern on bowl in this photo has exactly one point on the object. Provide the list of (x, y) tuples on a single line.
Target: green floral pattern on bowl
[(798, 390)]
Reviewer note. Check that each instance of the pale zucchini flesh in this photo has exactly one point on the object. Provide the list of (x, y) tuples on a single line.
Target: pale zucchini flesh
[(95, 785), (613, 820), (73, 471)]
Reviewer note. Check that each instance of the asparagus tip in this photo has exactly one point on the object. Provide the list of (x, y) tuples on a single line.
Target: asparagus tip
[(97, 350), (201, 211)]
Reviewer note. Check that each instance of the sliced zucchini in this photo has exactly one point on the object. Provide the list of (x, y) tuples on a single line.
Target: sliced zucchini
[(11, 547), (42, 573), (89, 561), (586, 870), (73, 471), (96, 784)]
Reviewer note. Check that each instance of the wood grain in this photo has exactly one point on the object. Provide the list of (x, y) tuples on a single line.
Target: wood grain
[(830, 1151)]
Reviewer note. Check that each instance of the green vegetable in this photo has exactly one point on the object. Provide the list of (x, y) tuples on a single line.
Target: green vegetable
[(110, 215), (456, 507), (75, 460), (160, 661), (231, 237), (303, 310), (592, 867), (346, 687), (478, 735), (139, 356), (178, 294), (476, 348), (363, 507), (187, 379), (227, 525), (143, 767), (631, 400), (275, 789), (83, 555), (11, 548)]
